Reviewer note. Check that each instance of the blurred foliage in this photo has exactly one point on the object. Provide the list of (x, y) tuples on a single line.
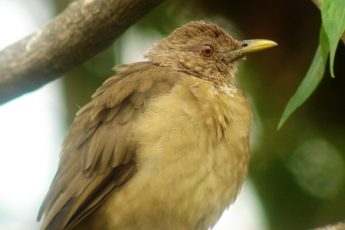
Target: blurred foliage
[(310, 81), (298, 172)]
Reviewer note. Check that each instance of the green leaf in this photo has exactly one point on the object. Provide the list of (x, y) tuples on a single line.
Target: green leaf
[(333, 26), (333, 20), (311, 80)]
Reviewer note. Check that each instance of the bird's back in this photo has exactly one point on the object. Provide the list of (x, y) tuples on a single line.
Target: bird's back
[(192, 156), (162, 145)]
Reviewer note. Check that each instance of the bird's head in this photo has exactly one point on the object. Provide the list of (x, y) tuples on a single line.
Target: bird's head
[(205, 51)]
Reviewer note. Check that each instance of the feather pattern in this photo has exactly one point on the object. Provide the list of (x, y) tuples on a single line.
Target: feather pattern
[(97, 154)]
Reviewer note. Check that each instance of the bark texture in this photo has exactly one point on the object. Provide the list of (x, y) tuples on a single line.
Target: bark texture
[(83, 29)]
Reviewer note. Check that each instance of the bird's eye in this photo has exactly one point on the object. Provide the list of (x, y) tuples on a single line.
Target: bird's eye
[(207, 50)]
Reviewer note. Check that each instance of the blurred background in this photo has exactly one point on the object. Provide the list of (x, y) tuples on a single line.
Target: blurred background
[(297, 174)]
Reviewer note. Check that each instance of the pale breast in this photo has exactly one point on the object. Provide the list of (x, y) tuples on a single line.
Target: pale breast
[(192, 159)]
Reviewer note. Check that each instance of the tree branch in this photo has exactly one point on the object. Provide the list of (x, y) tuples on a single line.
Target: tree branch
[(338, 226), (82, 30), (318, 4)]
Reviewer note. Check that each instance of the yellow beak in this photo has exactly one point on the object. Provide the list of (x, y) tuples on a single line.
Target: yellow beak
[(249, 46)]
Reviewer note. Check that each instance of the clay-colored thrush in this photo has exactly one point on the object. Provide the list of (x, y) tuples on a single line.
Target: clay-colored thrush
[(163, 144)]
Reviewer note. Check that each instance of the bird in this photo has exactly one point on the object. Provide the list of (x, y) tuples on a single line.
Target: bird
[(163, 144)]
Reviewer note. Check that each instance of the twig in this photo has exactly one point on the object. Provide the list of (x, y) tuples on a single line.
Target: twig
[(338, 226), (82, 30)]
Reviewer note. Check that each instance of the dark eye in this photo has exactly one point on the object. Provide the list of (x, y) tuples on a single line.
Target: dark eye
[(207, 50)]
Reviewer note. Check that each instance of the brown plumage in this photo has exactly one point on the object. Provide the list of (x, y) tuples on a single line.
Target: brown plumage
[(161, 145)]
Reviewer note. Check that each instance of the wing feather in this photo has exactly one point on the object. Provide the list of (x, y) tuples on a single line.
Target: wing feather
[(97, 154)]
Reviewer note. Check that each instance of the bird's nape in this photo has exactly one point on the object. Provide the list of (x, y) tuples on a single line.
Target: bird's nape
[(163, 144)]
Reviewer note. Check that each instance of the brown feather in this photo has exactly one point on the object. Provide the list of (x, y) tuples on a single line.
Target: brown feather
[(100, 137), (177, 121)]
